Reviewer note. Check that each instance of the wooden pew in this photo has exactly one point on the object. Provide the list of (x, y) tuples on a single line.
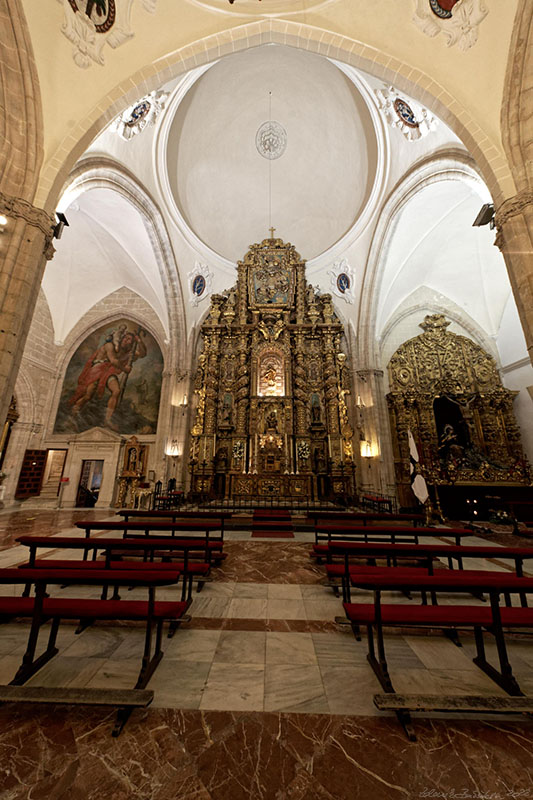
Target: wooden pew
[(213, 545), (409, 535), (363, 517), (41, 608), (149, 548), (493, 618), (424, 553), (174, 515)]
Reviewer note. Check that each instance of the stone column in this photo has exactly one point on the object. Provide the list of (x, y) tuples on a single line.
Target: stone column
[(514, 221), (378, 474), (25, 245)]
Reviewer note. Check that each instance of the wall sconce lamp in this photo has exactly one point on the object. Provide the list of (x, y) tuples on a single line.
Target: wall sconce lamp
[(184, 403), (3, 222), (62, 222), (173, 449), (366, 450), (485, 216)]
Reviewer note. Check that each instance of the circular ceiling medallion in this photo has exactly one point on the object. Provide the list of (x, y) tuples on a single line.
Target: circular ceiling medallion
[(101, 12), (442, 8), (198, 285), (405, 113), (138, 113), (271, 140), (343, 282)]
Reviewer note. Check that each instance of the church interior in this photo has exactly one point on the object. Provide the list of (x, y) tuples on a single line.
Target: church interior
[(266, 310)]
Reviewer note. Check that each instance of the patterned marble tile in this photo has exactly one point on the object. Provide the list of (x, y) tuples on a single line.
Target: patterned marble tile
[(350, 689), (70, 671), (284, 591), (285, 609), (339, 648), (241, 647), (290, 648), (208, 755), (235, 687), (191, 645), (257, 591), (290, 689), (440, 653), (179, 684), (250, 608)]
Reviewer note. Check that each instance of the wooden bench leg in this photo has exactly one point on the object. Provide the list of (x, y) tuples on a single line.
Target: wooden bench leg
[(505, 677), (149, 661), (379, 665), (30, 665), (453, 636)]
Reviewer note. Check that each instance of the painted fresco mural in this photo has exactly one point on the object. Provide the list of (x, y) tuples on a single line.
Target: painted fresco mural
[(113, 380)]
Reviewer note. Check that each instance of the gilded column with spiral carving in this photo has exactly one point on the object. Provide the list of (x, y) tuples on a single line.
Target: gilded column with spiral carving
[(300, 387)]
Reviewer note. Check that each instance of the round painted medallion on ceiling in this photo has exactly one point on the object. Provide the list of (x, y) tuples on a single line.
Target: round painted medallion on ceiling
[(102, 13), (198, 285), (442, 8), (271, 140), (343, 282), (405, 113), (138, 113)]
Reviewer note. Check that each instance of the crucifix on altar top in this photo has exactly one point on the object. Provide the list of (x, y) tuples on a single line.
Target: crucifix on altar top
[(271, 232)]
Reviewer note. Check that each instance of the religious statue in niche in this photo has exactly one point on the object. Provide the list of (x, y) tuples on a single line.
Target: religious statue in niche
[(221, 459), (271, 420), (113, 380), (271, 375), (319, 462), (316, 413), (226, 419), (449, 446)]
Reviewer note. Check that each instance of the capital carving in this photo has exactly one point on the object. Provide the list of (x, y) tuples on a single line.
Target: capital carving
[(513, 206), (17, 208)]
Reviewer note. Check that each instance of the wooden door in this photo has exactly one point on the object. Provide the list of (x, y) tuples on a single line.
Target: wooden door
[(31, 474)]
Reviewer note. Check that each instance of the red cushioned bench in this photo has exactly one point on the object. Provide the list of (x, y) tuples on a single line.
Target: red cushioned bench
[(175, 515), (213, 545), (362, 518), (149, 549), (493, 619), (424, 553), (331, 533), (43, 608)]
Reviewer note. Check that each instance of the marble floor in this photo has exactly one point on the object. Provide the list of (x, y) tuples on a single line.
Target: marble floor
[(260, 695)]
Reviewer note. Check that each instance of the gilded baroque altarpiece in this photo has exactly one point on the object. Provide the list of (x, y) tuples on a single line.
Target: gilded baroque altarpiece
[(447, 390), (271, 385)]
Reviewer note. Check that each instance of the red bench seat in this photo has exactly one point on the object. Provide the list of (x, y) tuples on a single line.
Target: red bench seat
[(72, 608), (194, 568), (436, 616)]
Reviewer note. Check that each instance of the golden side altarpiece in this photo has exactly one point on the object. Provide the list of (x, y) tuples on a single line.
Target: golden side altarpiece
[(270, 390), (447, 390)]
